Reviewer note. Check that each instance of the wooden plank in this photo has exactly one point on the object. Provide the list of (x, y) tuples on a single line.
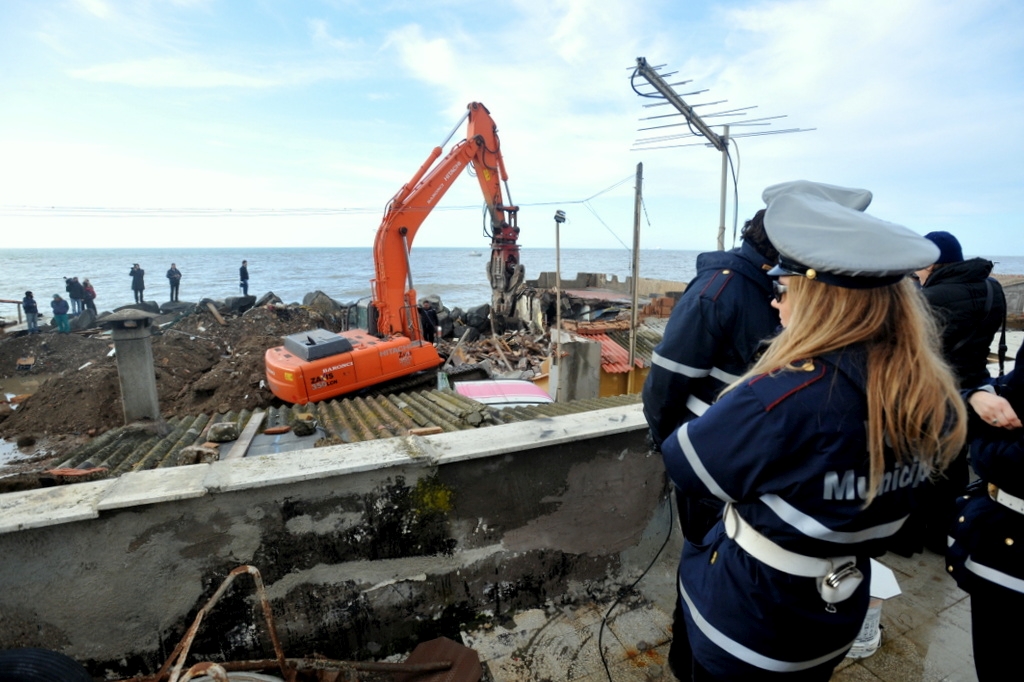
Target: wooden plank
[(213, 309), (241, 446)]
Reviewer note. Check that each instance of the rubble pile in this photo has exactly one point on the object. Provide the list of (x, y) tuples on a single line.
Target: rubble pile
[(512, 355), (208, 359)]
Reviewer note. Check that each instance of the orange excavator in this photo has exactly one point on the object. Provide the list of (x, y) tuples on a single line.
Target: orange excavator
[(319, 364)]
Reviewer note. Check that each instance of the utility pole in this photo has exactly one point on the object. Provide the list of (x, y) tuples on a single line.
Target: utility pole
[(637, 202)]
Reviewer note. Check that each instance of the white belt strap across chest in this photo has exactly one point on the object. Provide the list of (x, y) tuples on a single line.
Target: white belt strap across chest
[(1006, 499), (837, 577)]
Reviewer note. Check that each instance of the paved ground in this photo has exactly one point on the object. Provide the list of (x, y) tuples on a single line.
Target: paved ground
[(925, 633)]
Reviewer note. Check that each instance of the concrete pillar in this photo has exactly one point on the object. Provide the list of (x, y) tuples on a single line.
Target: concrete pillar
[(577, 375), (131, 331)]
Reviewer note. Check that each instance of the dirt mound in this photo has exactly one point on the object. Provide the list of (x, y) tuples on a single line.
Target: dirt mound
[(202, 366)]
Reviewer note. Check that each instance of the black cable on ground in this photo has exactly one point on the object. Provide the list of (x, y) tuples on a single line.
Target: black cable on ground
[(624, 592)]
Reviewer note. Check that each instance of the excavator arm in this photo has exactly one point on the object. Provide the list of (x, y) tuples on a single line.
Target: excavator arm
[(394, 296)]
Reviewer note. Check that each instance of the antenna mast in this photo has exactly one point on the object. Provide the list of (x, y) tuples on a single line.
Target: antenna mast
[(696, 125)]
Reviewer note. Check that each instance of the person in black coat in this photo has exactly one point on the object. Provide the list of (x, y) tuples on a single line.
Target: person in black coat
[(969, 307), (174, 279), (243, 277), (31, 308), (969, 304), (138, 282), (76, 292)]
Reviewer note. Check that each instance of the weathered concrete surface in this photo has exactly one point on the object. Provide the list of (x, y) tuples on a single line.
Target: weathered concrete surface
[(364, 548)]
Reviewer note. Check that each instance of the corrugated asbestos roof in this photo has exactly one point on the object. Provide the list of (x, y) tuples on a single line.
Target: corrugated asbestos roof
[(349, 420), (615, 346), (614, 358)]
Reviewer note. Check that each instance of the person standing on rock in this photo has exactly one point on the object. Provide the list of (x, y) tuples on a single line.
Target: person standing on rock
[(28, 304), (243, 277), (174, 277), (75, 293), (90, 295), (60, 314), (138, 283)]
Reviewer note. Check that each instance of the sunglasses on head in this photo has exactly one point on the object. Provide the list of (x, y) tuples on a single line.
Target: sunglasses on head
[(778, 290)]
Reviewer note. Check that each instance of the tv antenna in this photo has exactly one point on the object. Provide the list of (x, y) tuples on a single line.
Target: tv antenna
[(696, 126)]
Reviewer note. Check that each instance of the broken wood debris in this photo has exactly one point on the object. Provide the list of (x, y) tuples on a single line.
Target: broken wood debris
[(512, 355)]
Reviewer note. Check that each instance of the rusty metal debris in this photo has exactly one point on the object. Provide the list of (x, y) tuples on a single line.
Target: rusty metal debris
[(325, 670)]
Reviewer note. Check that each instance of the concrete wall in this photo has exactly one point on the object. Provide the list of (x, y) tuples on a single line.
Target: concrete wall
[(596, 280), (364, 548), (1014, 298)]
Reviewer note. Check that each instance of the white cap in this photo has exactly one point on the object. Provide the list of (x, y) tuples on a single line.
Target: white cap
[(828, 240), (857, 199)]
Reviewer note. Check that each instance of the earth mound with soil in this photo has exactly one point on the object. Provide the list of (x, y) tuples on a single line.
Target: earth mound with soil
[(201, 365), (207, 362)]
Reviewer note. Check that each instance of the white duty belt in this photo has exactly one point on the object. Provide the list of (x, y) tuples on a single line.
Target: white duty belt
[(837, 578), (1006, 499)]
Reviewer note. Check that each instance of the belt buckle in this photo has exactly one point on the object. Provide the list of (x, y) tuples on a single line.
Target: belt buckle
[(840, 584)]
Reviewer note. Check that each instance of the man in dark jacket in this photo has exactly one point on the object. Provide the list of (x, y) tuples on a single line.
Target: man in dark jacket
[(243, 278), (138, 282), (714, 332), (969, 307), (28, 304), (76, 292), (174, 278)]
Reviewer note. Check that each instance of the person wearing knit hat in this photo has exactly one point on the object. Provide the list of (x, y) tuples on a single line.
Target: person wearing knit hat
[(969, 308), (816, 450), (949, 247)]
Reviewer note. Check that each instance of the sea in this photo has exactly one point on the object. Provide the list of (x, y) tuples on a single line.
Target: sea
[(457, 275)]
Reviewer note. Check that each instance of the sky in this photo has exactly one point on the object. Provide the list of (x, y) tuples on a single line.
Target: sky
[(275, 123)]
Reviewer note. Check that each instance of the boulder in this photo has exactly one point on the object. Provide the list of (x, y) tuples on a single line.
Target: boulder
[(479, 317), (445, 322), (83, 320), (197, 454), (269, 298), (239, 304), (176, 307), (223, 432), (433, 301), (304, 425), (322, 303)]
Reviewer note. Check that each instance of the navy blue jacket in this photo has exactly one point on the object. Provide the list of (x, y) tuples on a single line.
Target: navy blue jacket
[(987, 538), (712, 337), (29, 305), (60, 306), (788, 449), (75, 289)]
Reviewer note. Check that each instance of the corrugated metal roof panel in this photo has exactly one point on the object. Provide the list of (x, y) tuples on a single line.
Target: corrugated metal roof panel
[(348, 420), (614, 358)]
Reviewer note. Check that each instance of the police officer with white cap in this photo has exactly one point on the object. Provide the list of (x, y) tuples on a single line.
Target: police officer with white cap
[(815, 451), (716, 331)]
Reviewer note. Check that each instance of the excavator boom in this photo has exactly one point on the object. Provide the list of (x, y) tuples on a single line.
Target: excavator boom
[(394, 296), (318, 365)]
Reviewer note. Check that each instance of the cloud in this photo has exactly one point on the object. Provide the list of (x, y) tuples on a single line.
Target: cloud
[(169, 72), (97, 8), (321, 33)]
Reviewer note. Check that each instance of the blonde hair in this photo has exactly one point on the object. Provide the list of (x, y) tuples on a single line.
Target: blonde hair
[(914, 403)]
